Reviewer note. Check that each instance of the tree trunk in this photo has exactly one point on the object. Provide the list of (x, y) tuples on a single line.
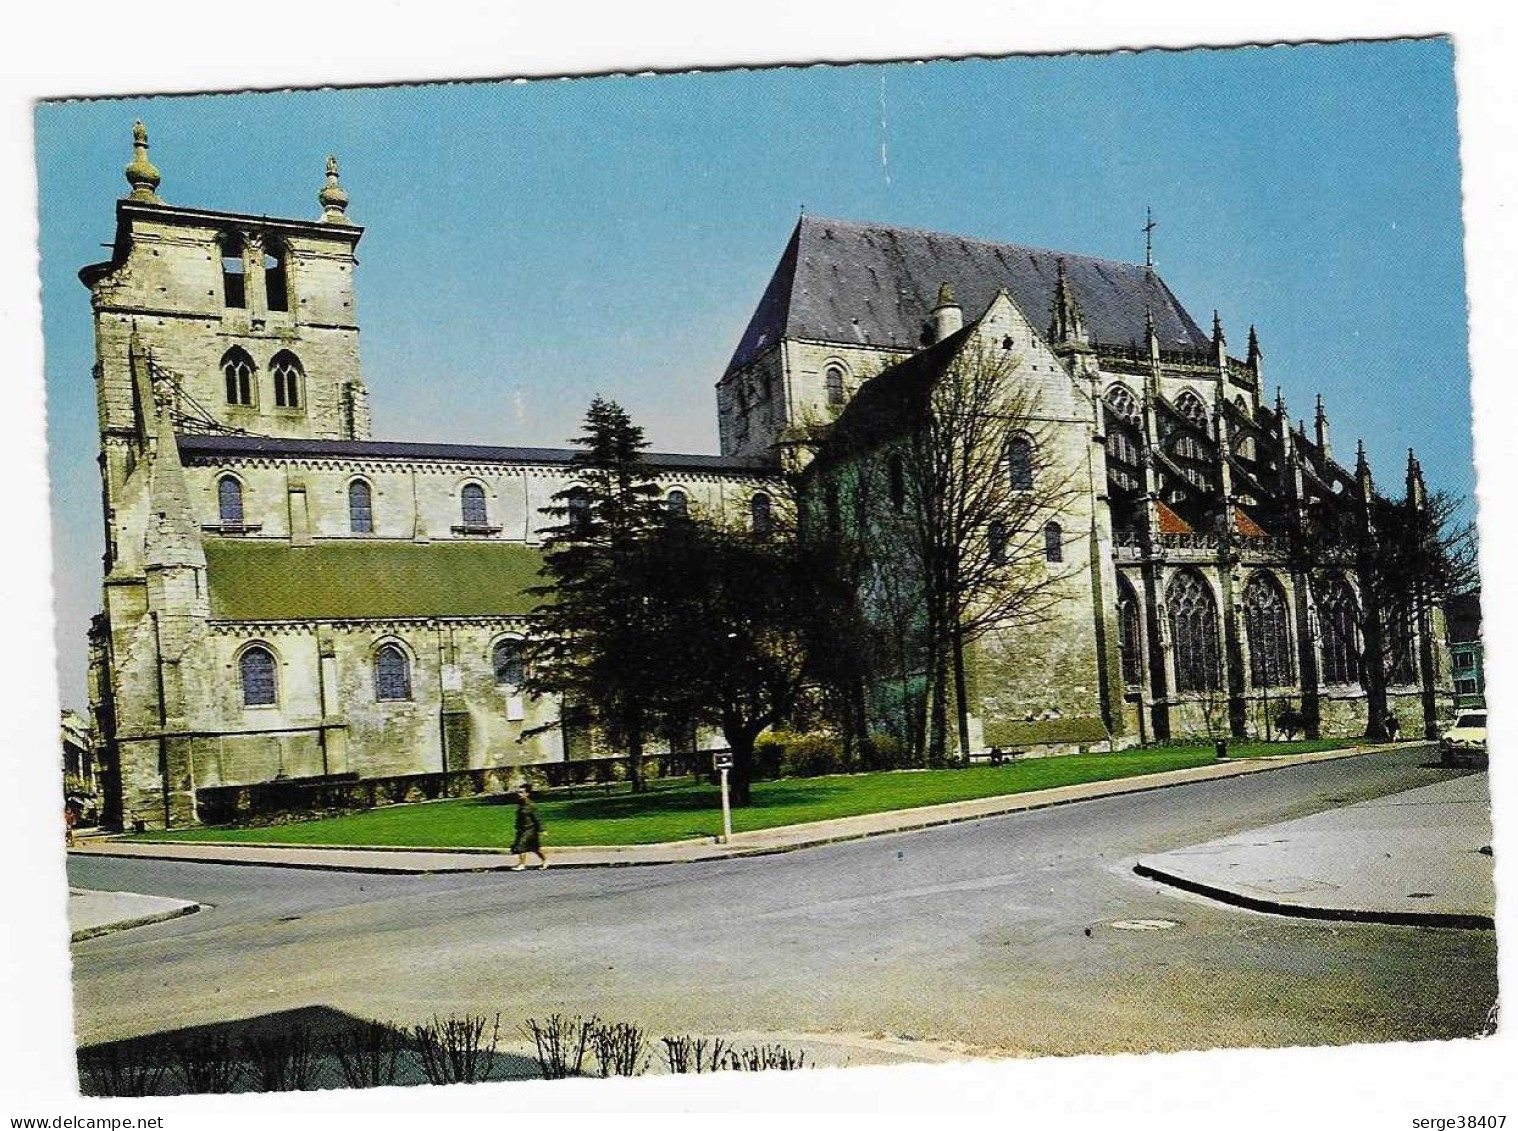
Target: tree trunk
[(961, 694), (740, 778)]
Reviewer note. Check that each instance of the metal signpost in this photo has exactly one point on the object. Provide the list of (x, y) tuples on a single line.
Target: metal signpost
[(723, 761)]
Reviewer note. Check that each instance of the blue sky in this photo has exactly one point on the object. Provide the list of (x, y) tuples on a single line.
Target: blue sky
[(529, 245)]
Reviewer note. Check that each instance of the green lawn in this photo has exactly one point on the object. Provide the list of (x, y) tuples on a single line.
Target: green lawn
[(678, 812)]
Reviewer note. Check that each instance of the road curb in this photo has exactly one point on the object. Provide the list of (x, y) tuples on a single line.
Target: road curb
[(1459, 920), (135, 921), (1015, 803)]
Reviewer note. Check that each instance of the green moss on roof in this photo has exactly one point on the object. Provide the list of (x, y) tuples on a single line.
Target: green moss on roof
[(253, 580)]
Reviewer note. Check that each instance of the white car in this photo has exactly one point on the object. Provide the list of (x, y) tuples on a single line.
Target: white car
[(1465, 738)]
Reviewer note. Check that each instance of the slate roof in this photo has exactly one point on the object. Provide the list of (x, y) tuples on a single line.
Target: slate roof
[(874, 285), (269, 580), (216, 446)]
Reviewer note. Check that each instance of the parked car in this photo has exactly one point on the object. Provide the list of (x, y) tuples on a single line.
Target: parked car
[(1465, 740)]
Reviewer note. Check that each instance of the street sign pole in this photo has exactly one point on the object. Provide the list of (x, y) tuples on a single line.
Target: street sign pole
[(727, 812)]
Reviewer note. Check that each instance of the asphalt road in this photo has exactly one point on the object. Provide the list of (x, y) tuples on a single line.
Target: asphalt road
[(994, 936)]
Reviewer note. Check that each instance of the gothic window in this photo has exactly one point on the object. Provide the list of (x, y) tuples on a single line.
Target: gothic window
[(834, 377), (237, 372), (577, 503), (1337, 617), (1054, 543), (1020, 463), (229, 501), (1128, 634), (677, 503), (1187, 446), (896, 473), (256, 670), (233, 276), (509, 663), (1193, 632), (1122, 447), (287, 373), (1120, 399), (392, 674), (1265, 625), (1401, 647), (276, 275), (1189, 405), (761, 516), (996, 542), (360, 507), (472, 505)]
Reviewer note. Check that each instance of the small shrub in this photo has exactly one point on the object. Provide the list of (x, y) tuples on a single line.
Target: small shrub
[(619, 1049), (811, 755), (111, 1072), (455, 1049), (561, 1044), (761, 1058), (885, 752), (368, 1053), (694, 1054), (283, 1062), (207, 1064)]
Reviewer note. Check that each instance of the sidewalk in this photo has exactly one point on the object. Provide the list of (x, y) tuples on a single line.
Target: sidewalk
[(1411, 858), (94, 913), (763, 842)]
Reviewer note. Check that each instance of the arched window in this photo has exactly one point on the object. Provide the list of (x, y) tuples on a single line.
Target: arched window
[(392, 673), (229, 501), (897, 475), (1020, 463), (1128, 638), (360, 507), (677, 503), (1123, 448), (761, 515), (1338, 615), (256, 670), (237, 372), (1193, 632), (1265, 626), (1189, 405), (233, 272), (276, 275), (509, 663), (1054, 542), (834, 378), (577, 504), (287, 372), (472, 505), (1120, 400), (996, 542)]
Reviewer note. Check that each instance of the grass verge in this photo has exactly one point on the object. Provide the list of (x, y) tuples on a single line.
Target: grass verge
[(683, 810)]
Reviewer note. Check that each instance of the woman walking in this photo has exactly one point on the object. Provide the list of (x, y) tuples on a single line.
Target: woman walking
[(529, 830)]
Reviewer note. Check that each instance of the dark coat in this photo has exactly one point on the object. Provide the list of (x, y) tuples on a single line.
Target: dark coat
[(529, 827)]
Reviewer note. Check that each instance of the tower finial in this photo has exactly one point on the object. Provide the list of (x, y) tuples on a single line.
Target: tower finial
[(141, 173), (1066, 323), (333, 198), (1149, 226)]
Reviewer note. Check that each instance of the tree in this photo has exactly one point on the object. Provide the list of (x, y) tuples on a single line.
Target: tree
[(590, 635), (955, 489), (737, 630)]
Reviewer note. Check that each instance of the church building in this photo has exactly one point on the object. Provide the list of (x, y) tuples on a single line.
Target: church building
[(287, 599)]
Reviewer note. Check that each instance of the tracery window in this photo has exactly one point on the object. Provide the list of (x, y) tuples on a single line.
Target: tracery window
[(472, 505), (229, 501), (287, 372), (1338, 616), (1128, 640), (360, 507), (276, 275), (1265, 626), (1121, 400), (677, 503), (392, 673), (509, 662), (256, 671), (1189, 405), (1193, 632), (761, 516), (1020, 463), (577, 504), (996, 542), (1122, 447), (237, 372), (1054, 542)]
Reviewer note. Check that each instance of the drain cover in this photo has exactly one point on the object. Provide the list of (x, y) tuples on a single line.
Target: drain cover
[(1143, 924)]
